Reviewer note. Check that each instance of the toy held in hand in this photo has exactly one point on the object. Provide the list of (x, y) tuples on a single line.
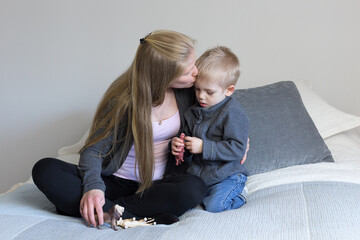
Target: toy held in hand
[(112, 216), (180, 158)]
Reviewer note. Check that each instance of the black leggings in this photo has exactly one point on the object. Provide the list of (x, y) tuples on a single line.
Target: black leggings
[(61, 183)]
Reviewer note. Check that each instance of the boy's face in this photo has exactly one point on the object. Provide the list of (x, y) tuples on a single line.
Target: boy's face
[(209, 93)]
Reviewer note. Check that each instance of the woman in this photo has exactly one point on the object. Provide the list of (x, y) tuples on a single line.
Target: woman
[(138, 115)]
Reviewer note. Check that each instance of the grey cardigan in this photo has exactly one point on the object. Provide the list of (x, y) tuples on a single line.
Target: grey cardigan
[(95, 162), (224, 129)]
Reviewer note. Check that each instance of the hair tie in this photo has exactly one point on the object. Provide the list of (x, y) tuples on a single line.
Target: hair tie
[(142, 40)]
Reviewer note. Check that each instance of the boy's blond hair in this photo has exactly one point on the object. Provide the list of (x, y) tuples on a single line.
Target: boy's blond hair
[(219, 63)]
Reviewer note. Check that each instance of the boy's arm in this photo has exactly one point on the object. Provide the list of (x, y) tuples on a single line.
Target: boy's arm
[(235, 138)]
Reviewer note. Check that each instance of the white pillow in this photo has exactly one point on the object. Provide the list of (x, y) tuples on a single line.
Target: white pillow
[(70, 153), (328, 120), (75, 148)]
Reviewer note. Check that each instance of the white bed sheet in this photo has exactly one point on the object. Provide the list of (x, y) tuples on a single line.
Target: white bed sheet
[(265, 210)]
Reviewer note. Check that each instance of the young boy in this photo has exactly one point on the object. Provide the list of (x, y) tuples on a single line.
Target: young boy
[(216, 131)]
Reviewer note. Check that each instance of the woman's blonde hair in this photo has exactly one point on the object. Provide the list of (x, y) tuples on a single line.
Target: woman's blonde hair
[(161, 57), (219, 63)]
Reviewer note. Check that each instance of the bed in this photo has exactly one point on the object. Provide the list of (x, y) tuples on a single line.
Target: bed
[(294, 191)]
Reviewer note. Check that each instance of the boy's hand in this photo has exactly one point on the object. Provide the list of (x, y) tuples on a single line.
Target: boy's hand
[(194, 144), (177, 148)]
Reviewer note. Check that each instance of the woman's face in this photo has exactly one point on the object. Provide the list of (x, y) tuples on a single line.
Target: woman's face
[(188, 77)]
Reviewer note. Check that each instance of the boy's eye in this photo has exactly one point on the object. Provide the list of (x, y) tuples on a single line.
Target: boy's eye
[(210, 93)]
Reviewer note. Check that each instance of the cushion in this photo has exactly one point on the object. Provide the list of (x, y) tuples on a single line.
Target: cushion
[(70, 153), (282, 133), (328, 120)]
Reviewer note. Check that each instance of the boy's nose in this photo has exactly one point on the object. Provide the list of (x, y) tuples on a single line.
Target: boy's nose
[(201, 95)]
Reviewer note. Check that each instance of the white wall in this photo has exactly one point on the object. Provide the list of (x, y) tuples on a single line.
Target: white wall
[(58, 57)]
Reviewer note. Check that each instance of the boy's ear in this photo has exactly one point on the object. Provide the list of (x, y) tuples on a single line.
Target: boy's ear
[(230, 90)]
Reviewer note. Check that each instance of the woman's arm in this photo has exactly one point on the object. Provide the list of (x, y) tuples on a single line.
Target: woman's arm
[(90, 166)]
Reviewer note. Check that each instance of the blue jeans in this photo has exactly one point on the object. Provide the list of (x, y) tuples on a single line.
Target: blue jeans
[(226, 195)]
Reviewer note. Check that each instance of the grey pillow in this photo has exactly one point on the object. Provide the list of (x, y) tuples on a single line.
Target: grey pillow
[(282, 133)]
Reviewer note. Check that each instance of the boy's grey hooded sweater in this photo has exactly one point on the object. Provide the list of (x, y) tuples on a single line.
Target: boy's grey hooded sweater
[(224, 129)]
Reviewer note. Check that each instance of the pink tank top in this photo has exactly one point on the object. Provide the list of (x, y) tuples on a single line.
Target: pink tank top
[(163, 132)]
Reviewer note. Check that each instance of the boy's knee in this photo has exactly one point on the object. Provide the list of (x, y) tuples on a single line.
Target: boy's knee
[(212, 205)]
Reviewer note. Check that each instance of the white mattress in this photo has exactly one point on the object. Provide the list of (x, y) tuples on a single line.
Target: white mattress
[(306, 192)]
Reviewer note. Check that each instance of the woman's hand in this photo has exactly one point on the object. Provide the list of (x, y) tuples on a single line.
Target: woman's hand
[(247, 149), (91, 203), (194, 144)]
